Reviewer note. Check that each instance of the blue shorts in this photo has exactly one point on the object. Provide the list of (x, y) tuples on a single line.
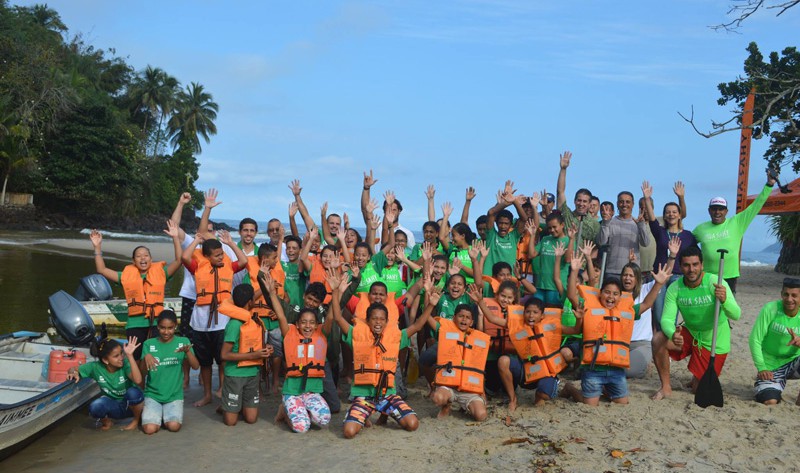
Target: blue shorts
[(547, 386), (612, 381)]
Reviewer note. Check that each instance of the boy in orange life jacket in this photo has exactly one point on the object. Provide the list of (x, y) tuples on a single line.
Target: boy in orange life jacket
[(243, 358), (607, 330), (534, 312), (376, 346), (213, 272), (451, 379)]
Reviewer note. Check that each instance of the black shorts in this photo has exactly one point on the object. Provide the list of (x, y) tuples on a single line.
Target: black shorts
[(141, 334), (187, 306), (208, 347), (732, 284)]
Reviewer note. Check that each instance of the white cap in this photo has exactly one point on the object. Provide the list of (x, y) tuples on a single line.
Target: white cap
[(718, 202)]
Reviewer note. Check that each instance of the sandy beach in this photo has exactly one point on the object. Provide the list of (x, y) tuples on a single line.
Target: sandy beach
[(668, 435)]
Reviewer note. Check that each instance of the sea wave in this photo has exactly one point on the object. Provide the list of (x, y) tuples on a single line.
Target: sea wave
[(22, 242), (129, 236), (754, 263)]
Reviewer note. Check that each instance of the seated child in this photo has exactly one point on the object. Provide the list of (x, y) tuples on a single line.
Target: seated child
[(117, 374), (163, 359)]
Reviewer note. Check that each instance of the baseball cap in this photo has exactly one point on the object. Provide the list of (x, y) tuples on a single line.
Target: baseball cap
[(550, 197), (718, 202)]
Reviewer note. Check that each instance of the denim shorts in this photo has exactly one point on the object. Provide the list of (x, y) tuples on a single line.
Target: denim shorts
[(155, 412), (611, 380)]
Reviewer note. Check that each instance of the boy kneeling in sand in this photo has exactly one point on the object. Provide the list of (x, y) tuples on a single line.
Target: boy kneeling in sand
[(775, 345)]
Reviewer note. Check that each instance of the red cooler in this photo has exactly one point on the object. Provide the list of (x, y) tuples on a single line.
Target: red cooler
[(61, 361)]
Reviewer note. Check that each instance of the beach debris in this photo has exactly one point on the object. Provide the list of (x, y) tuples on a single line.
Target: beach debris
[(514, 440), (577, 440), (617, 453), (676, 464), (627, 464), (637, 449)]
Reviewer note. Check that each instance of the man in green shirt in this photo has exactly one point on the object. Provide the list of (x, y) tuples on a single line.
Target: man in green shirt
[(695, 296), (775, 345), (727, 233), (503, 240), (590, 227)]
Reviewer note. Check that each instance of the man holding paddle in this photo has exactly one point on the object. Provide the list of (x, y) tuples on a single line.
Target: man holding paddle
[(695, 295), (775, 345)]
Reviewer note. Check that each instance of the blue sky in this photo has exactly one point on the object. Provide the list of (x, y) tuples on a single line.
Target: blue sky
[(456, 93)]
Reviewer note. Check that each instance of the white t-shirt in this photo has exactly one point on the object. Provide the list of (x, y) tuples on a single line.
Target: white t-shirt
[(200, 316), (643, 328)]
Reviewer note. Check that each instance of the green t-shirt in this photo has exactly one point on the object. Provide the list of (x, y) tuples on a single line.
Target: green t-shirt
[(371, 273), (113, 384), (463, 256), (141, 321), (545, 261), (294, 284), (501, 249), (447, 305), (727, 235), (769, 339), (358, 390), (232, 336), (696, 305), (568, 320), (292, 385), (165, 382), (394, 280)]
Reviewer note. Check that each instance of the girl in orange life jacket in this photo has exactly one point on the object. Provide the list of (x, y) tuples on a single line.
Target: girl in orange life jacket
[(118, 376), (305, 347), (464, 321), (505, 300), (240, 389), (595, 378), (143, 282), (376, 345), (546, 387)]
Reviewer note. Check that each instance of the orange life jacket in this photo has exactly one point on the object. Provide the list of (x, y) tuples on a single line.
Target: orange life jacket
[(391, 306), (501, 343), (214, 284), (251, 333), (606, 332), (305, 357), (260, 307), (375, 359), (461, 357), (523, 258), (495, 283), (144, 296), (539, 346), (317, 274)]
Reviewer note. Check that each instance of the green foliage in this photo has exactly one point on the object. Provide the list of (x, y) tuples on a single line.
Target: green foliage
[(786, 227), (84, 132)]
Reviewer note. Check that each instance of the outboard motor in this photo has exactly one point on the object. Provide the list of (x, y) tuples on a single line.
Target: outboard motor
[(93, 288), (70, 319)]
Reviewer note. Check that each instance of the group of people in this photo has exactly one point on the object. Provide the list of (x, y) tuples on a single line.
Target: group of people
[(506, 307)]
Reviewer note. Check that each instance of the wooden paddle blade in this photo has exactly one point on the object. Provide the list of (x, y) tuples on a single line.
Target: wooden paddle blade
[(709, 390)]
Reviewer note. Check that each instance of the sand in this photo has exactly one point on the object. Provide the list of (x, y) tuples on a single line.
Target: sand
[(668, 435)]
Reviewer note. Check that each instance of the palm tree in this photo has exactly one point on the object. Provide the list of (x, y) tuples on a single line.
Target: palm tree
[(47, 18), (194, 116), (154, 92)]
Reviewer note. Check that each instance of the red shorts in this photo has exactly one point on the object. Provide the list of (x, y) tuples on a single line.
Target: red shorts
[(698, 363)]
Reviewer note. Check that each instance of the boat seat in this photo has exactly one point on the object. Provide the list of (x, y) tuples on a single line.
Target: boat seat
[(23, 385), (21, 356)]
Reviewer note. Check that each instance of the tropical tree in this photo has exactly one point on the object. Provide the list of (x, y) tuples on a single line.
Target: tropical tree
[(154, 95), (194, 117)]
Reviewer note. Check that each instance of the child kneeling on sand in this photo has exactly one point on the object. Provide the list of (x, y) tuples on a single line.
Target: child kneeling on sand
[(244, 353), (163, 358), (376, 345), (305, 347), (117, 374)]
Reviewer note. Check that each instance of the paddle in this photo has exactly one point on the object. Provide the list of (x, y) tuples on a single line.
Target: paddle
[(709, 391)]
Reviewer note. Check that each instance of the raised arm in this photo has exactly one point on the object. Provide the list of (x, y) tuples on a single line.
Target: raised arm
[(532, 228), (572, 280), (326, 231), (680, 193), (387, 242), (184, 199), (400, 254), (647, 192), (305, 251), (366, 212), (129, 349), (587, 249), (372, 227), (209, 203), (292, 222), (476, 295), (560, 250), (186, 256), (444, 228), (100, 265), (420, 322), (174, 232), (336, 303), (294, 186), (661, 277), (226, 238), (561, 185), (470, 194), (430, 192), (266, 282)]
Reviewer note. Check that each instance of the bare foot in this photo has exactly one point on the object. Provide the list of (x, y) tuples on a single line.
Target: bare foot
[(368, 423), (281, 415), (444, 412), (203, 402), (132, 425), (662, 393), (106, 423), (512, 404), (539, 402), (218, 393)]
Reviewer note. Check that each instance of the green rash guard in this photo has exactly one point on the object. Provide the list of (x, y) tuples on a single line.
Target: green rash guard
[(697, 307), (371, 272), (544, 262), (463, 256), (141, 321), (769, 340), (727, 235), (231, 367), (358, 390), (295, 282), (165, 381), (113, 384), (447, 305), (501, 249)]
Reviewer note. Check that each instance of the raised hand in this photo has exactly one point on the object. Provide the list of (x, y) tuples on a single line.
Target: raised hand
[(388, 196), (185, 198), (371, 206), (434, 295), (565, 157), (294, 186), (390, 215), (131, 346), (499, 197), (369, 180), (375, 222), (536, 199), (606, 212), (447, 210), (475, 294), (427, 250), (324, 209), (481, 245), (293, 209), (336, 261), (346, 220), (455, 267), (334, 278), (340, 236), (578, 311), (268, 281), (96, 238), (400, 252), (470, 194), (577, 261), (663, 273), (647, 190), (572, 231), (679, 189), (211, 198), (674, 246), (473, 251), (587, 249), (225, 237), (430, 192), (172, 230), (559, 250)]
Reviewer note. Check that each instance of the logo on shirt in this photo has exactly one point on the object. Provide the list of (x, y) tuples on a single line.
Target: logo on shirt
[(153, 348)]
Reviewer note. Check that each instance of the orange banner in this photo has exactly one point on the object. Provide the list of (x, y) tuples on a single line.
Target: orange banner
[(744, 150)]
